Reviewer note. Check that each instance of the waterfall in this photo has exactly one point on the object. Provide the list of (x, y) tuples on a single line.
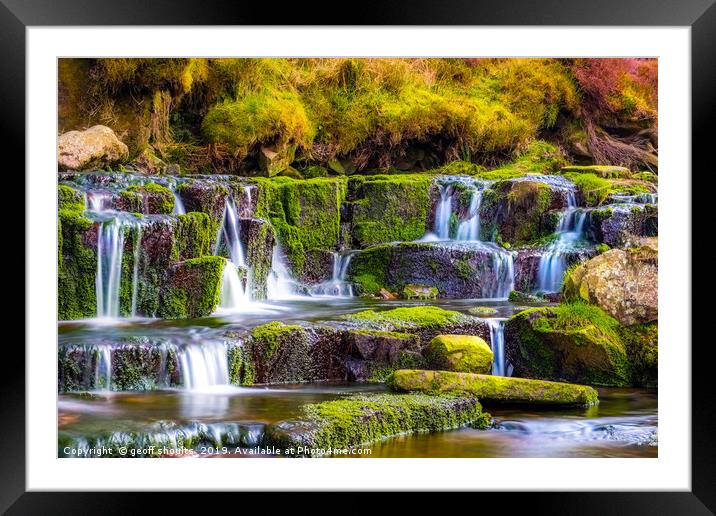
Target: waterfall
[(103, 368), (470, 228), (503, 267), (233, 296), (204, 365), (280, 284), (497, 343), (230, 232), (553, 261), (97, 201), (337, 285), (178, 204), (110, 247), (444, 211)]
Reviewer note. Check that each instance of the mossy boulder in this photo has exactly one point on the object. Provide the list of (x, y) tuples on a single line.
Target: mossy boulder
[(96, 147), (276, 159), (388, 208), (574, 342), (517, 211), (483, 311), (462, 353), (623, 282), (77, 264), (462, 270), (498, 389), (258, 238), (193, 288), (207, 197), (305, 215), (150, 198), (642, 345), (281, 353), (364, 419)]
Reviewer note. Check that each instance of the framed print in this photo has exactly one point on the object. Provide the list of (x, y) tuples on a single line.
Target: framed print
[(429, 241)]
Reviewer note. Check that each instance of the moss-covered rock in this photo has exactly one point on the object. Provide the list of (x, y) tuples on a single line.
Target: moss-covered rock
[(258, 238), (457, 270), (306, 215), (207, 197), (193, 236), (462, 353), (77, 264), (572, 342), (606, 171), (193, 288), (361, 420), (623, 282), (388, 208), (374, 354), (623, 225), (642, 346), (495, 388), (150, 198), (483, 311)]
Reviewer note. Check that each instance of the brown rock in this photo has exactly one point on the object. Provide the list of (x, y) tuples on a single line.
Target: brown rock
[(95, 147)]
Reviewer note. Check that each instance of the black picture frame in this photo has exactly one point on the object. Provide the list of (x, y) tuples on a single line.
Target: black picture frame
[(699, 15)]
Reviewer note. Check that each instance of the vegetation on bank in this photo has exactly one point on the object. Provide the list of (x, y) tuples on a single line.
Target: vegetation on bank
[(350, 115)]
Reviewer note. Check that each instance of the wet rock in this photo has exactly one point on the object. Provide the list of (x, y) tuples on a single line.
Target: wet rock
[(205, 196), (456, 270), (149, 199), (96, 147), (258, 239), (461, 353), (192, 289), (498, 389), (624, 283), (621, 225), (573, 342)]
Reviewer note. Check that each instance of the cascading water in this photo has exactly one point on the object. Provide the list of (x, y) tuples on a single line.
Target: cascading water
[(470, 228), (497, 343), (337, 285), (204, 366), (553, 261), (110, 247), (103, 368), (280, 284), (234, 297), (444, 212), (178, 204), (503, 266)]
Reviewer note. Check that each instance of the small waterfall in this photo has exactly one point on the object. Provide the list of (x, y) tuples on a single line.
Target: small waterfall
[(470, 228), (230, 232), (103, 368), (97, 201), (178, 204), (553, 261), (497, 343), (280, 284), (204, 365), (503, 266), (443, 213), (233, 296), (337, 286), (110, 248)]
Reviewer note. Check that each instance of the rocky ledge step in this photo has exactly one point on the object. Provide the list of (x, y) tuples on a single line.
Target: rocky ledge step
[(495, 388), (363, 419)]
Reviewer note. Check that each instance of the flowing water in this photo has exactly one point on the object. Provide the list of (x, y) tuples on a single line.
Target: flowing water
[(337, 286), (497, 343)]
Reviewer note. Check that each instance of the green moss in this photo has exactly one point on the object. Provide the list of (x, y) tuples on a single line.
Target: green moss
[(241, 371), (69, 198), (306, 215), (641, 341), (77, 265), (313, 171), (463, 353), (604, 171), (407, 318), (368, 269), (271, 335), (482, 311), (601, 248), (496, 388), (361, 420), (148, 198), (193, 236), (572, 341), (193, 289), (540, 157), (380, 212)]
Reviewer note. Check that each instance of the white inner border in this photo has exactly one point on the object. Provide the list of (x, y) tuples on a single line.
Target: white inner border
[(672, 468)]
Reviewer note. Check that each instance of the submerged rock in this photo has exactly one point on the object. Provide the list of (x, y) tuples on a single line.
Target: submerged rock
[(572, 342), (496, 388), (623, 282), (363, 419), (462, 353), (96, 147)]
